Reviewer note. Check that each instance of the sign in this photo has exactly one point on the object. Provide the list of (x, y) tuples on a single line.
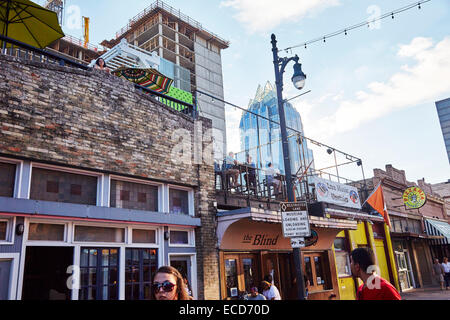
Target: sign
[(337, 193), (414, 198), (298, 242), (295, 219)]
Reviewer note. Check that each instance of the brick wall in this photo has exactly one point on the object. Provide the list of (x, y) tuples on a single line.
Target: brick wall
[(93, 120)]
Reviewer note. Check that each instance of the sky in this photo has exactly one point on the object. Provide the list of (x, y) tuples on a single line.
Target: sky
[(373, 92)]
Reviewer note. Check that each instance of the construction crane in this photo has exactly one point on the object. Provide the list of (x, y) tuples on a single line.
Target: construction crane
[(86, 31)]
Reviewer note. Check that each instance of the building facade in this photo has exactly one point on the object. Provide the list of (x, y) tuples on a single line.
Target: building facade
[(416, 235), (89, 188), (443, 110), (183, 41)]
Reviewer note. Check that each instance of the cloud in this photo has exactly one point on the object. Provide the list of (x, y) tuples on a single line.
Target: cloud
[(423, 81), (264, 15)]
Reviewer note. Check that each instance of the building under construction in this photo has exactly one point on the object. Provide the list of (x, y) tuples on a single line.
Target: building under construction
[(79, 49), (175, 37)]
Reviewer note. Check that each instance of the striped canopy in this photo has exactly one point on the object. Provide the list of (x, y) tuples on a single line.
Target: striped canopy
[(149, 78)]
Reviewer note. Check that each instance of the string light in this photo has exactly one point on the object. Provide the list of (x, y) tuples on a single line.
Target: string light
[(359, 25)]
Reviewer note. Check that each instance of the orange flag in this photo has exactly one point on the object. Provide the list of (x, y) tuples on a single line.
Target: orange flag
[(376, 201)]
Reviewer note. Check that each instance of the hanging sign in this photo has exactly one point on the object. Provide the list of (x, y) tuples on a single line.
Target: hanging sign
[(295, 219), (337, 193), (414, 198)]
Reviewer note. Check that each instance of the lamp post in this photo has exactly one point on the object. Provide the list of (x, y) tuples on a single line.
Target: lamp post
[(298, 80)]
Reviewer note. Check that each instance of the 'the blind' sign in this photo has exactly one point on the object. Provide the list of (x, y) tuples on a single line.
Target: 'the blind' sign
[(295, 219)]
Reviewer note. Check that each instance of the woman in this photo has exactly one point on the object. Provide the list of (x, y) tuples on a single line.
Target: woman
[(100, 64), (168, 284)]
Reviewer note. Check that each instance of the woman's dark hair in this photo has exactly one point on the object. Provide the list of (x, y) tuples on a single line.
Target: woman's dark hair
[(363, 257), (268, 278), (97, 62), (269, 164), (181, 286)]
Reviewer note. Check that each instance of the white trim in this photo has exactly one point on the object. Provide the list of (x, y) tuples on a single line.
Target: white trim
[(64, 169), (99, 225), (138, 181), (46, 242), (13, 273), (135, 180), (30, 175), (190, 191), (156, 229), (76, 262), (193, 257), (122, 284), (191, 238), (17, 174), (10, 230)]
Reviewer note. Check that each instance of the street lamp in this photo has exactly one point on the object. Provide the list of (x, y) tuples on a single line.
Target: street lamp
[(298, 79)]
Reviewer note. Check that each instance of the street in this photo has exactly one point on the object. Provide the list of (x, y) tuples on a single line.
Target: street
[(433, 293)]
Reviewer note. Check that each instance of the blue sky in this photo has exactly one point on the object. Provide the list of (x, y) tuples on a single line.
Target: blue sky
[(372, 92)]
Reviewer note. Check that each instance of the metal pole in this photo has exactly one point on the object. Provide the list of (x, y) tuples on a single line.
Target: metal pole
[(287, 163)]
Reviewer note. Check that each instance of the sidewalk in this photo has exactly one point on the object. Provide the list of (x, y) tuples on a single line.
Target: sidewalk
[(433, 293)]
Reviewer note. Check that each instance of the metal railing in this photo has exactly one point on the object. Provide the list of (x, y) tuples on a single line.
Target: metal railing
[(22, 50), (248, 181)]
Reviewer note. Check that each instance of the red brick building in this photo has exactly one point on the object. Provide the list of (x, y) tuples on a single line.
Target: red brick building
[(418, 235)]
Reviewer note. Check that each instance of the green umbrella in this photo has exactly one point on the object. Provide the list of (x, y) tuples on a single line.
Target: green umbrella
[(28, 22)]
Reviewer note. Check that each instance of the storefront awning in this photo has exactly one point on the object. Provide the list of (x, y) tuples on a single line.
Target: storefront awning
[(438, 228), (227, 218)]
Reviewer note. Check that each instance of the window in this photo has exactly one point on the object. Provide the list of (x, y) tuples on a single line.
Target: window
[(179, 237), (231, 277), (342, 258), (144, 236), (7, 177), (3, 228), (317, 271), (99, 274), (51, 185), (141, 265), (46, 232), (179, 201), (138, 196), (99, 234)]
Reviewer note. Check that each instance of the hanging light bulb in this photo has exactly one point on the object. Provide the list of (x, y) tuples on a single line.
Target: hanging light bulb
[(419, 6), (346, 32), (324, 39), (392, 15), (305, 45)]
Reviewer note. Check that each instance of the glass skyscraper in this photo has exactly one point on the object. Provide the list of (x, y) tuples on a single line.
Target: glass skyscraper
[(261, 138)]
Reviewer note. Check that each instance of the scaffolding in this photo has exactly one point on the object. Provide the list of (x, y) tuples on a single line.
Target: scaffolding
[(58, 7)]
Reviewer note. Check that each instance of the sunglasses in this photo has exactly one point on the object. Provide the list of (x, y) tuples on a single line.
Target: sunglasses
[(167, 286)]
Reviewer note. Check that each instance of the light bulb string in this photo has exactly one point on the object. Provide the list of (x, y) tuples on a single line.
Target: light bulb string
[(356, 26)]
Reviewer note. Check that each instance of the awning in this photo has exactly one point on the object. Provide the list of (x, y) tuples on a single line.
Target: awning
[(438, 228)]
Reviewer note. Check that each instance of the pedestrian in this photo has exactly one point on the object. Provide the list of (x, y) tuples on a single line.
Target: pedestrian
[(446, 266), (270, 291), (374, 287), (255, 295), (438, 272), (168, 284), (100, 64)]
